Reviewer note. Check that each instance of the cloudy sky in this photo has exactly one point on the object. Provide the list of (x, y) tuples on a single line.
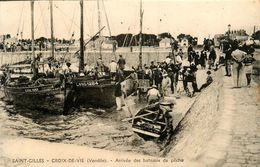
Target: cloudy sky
[(200, 18)]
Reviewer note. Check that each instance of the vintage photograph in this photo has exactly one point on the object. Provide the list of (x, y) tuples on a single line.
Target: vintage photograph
[(113, 83)]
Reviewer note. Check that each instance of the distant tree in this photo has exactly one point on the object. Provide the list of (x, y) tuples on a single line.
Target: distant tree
[(180, 37), (256, 35), (164, 35), (124, 39)]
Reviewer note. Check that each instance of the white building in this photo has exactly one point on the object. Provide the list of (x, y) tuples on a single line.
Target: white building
[(165, 43)]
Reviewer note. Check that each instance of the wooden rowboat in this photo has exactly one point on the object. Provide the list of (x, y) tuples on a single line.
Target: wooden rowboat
[(151, 122)]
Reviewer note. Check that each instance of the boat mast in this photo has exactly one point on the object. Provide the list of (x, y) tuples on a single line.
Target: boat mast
[(140, 37), (81, 60), (99, 27), (52, 36), (32, 33)]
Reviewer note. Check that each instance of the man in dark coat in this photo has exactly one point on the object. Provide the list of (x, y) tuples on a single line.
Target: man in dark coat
[(121, 62)]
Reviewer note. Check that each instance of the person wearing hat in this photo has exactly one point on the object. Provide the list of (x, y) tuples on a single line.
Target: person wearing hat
[(121, 62), (153, 95), (209, 80), (166, 82), (113, 68)]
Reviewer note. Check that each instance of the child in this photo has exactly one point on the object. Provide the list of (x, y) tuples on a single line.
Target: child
[(209, 80)]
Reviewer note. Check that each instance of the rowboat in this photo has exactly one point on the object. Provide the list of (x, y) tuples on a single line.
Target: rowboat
[(150, 121)]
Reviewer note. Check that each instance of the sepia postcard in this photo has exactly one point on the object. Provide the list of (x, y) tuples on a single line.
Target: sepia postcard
[(111, 83)]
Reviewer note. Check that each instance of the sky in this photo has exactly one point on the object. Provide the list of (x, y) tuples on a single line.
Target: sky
[(201, 18)]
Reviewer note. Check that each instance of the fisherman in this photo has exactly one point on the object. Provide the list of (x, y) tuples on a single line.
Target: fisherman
[(134, 77), (166, 82), (153, 95), (121, 62), (113, 68)]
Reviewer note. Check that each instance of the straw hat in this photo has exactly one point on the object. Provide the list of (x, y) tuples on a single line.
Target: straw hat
[(164, 75)]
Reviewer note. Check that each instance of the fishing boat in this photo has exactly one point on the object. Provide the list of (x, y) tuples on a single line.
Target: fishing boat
[(97, 92), (47, 94), (152, 122)]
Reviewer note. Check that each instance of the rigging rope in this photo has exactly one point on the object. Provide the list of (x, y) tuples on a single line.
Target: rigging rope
[(70, 29), (38, 20), (106, 18), (18, 30), (68, 17), (44, 21), (63, 19)]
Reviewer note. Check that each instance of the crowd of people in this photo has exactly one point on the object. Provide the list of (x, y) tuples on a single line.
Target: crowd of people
[(177, 74), (239, 59)]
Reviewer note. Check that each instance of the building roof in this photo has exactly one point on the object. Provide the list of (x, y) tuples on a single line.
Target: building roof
[(166, 40)]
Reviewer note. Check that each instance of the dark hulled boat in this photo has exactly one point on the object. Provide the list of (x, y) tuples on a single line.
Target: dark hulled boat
[(94, 92), (49, 97)]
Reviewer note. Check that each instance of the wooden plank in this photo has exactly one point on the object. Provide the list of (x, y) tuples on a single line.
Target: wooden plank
[(145, 132), (162, 123)]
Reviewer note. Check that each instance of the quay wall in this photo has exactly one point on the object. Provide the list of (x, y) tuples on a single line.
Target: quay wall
[(132, 58)]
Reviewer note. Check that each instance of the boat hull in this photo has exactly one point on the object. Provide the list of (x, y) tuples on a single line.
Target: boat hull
[(89, 92), (45, 98)]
